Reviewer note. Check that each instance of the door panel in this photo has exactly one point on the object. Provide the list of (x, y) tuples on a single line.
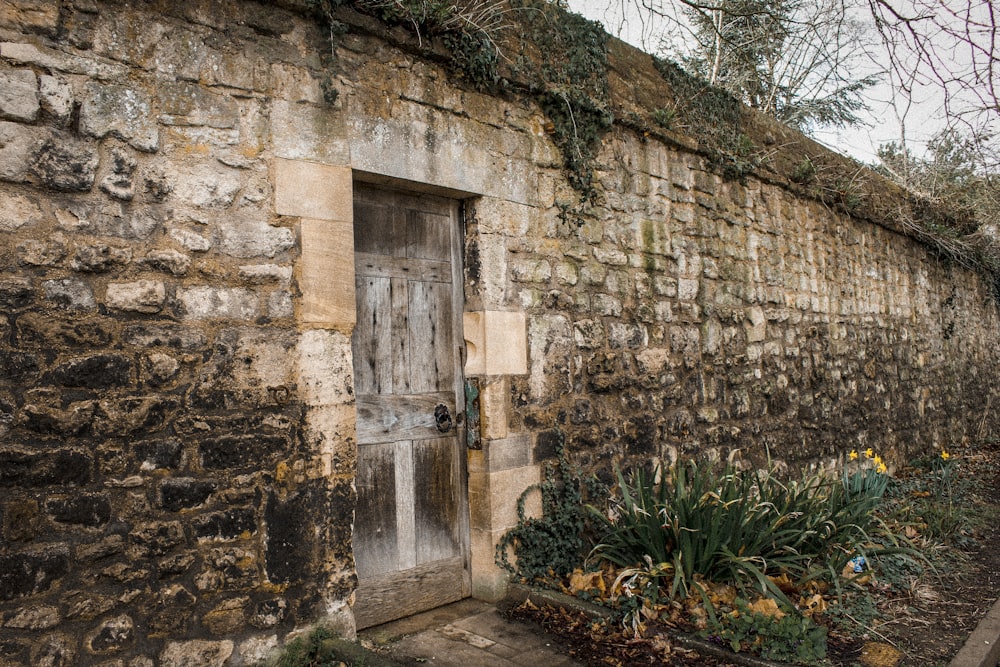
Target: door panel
[(411, 525)]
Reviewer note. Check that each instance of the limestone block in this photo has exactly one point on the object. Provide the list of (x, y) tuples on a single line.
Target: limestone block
[(755, 325), (309, 132), (262, 274), (610, 256), (111, 635), (496, 343), (280, 304), (325, 368), (527, 270), (183, 103), (247, 235), (204, 184), (29, 15), (141, 296), (121, 111), (313, 190), (31, 154), (70, 294), (17, 211), (498, 216), (493, 270), (493, 400), (55, 96), (19, 95), (170, 261), (330, 431), (205, 302), (190, 240), (196, 652), (326, 273), (35, 617), (54, 60)]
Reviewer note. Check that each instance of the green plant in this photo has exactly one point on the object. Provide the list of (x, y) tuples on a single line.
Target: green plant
[(307, 651), (804, 172), (553, 543), (785, 637), (665, 117), (735, 526)]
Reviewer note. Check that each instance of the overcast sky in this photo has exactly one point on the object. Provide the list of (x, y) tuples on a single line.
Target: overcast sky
[(621, 19)]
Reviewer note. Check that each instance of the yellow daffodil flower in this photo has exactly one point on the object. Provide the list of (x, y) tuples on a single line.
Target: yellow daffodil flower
[(945, 455), (853, 455), (880, 468), (869, 452)]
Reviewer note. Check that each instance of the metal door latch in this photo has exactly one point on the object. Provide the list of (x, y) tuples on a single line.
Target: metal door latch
[(442, 417)]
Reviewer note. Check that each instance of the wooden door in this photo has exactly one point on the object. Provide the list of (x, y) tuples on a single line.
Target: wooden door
[(411, 524)]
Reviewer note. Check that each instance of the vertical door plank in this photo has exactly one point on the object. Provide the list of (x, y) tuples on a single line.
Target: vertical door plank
[(436, 509), (401, 355), (372, 337), (405, 526), (375, 525), (428, 235), (431, 340)]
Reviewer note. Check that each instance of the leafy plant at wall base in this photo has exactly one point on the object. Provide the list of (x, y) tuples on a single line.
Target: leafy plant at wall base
[(552, 544), (790, 638)]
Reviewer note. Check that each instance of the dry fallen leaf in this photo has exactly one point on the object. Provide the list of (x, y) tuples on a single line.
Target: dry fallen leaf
[(584, 582), (876, 654), (814, 604), (767, 607)]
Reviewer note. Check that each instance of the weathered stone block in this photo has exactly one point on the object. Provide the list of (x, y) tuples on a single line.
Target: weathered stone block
[(205, 302), (326, 368), (112, 635), (100, 371), (496, 342), (30, 573), (168, 261), (196, 652), (327, 273), (184, 493), (190, 240), (41, 253), (55, 60), (183, 103), (121, 111), (41, 617), (99, 258), (165, 335), (64, 163), (161, 367), (156, 454), (142, 296), (228, 525), (204, 183), (19, 367), (16, 211), (236, 451), (29, 15), (89, 510), (19, 95), (50, 468), (227, 617), (155, 538), (309, 132), (51, 419), (55, 96), (246, 236), (69, 294)]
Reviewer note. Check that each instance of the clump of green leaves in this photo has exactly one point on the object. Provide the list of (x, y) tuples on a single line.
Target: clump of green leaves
[(550, 545), (568, 77), (307, 651), (715, 118), (791, 637), (734, 526)]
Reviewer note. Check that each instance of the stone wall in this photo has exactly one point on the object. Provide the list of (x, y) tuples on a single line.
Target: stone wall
[(176, 283)]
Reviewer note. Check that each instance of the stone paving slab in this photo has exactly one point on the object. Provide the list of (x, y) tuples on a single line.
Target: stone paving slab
[(469, 633)]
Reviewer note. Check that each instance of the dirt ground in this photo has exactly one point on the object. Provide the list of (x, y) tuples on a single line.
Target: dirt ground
[(927, 622)]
